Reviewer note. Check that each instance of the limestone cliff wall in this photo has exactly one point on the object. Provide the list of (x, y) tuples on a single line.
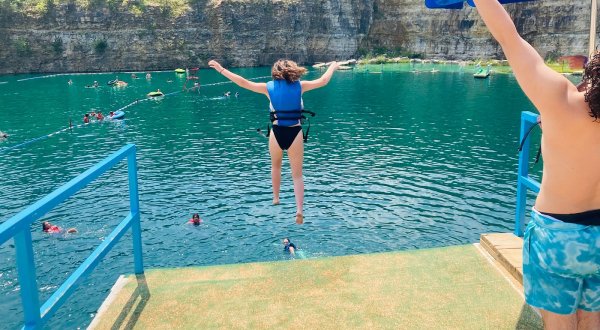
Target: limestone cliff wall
[(553, 27), (70, 38)]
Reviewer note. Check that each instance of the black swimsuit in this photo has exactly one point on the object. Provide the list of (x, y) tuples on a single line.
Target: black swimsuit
[(587, 218), (285, 135)]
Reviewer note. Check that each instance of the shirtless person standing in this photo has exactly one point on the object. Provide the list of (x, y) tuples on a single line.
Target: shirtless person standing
[(561, 252)]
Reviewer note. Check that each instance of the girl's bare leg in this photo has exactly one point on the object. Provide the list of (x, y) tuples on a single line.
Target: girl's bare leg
[(276, 159), (296, 156)]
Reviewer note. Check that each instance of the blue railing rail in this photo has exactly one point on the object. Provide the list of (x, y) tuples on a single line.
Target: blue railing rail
[(19, 227), (524, 182)]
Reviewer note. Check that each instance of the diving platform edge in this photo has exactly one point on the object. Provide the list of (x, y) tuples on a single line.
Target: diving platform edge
[(507, 249)]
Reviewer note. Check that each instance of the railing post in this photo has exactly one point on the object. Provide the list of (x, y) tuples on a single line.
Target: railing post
[(528, 119), (27, 278), (136, 228)]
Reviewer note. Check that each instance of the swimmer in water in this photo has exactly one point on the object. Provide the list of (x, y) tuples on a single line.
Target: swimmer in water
[(49, 228), (70, 82), (289, 247), (195, 220), (3, 135), (86, 118)]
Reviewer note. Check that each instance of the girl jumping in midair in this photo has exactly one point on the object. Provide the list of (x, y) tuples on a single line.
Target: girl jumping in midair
[(285, 94)]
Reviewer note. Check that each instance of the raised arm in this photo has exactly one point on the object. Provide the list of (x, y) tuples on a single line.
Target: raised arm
[(546, 88), (324, 80), (260, 88)]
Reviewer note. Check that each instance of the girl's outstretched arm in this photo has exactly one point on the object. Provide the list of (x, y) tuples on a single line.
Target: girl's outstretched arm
[(546, 88), (260, 88), (317, 83)]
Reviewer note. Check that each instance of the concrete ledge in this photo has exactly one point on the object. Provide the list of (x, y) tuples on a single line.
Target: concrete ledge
[(507, 249), (114, 292)]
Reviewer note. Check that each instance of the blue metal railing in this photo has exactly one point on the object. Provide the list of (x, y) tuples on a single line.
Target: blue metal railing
[(19, 227), (524, 182)]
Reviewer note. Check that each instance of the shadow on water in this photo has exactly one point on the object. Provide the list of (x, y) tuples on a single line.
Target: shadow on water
[(529, 319), (138, 300)]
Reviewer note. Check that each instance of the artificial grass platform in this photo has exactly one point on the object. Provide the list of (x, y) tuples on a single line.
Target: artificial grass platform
[(445, 288)]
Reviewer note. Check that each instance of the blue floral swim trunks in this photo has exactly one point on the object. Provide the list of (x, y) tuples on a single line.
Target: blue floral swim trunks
[(561, 265)]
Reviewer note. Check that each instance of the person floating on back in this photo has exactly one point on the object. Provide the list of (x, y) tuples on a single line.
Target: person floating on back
[(49, 228), (195, 220), (285, 93), (561, 250)]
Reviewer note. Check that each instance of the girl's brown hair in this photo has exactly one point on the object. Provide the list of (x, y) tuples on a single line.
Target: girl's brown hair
[(288, 70)]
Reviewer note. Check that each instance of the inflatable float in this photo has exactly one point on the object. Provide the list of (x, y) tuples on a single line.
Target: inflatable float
[(482, 74), (116, 83), (155, 94), (118, 115)]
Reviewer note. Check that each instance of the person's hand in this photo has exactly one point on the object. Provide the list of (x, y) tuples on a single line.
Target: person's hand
[(335, 65), (215, 65)]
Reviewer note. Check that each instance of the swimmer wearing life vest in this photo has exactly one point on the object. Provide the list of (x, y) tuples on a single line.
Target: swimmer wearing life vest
[(195, 220), (285, 95), (49, 228)]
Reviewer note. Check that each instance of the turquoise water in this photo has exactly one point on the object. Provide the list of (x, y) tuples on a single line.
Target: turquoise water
[(397, 160)]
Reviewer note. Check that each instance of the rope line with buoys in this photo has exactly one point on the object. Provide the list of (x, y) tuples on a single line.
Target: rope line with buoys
[(20, 145), (83, 74)]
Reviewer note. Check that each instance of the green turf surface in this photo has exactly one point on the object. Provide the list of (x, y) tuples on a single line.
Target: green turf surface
[(445, 288)]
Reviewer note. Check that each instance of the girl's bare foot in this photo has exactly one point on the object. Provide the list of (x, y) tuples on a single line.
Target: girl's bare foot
[(275, 201), (299, 218)]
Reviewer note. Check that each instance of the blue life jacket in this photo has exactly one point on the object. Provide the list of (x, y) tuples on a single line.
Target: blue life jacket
[(286, 101)]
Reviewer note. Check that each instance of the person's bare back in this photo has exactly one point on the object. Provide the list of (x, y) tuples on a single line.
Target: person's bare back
[(571, 152)]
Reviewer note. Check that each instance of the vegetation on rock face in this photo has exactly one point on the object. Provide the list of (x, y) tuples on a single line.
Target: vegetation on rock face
[(57, 46), (500, 66), (40, 8), (100, 46), (380, 55), (22, 47)]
